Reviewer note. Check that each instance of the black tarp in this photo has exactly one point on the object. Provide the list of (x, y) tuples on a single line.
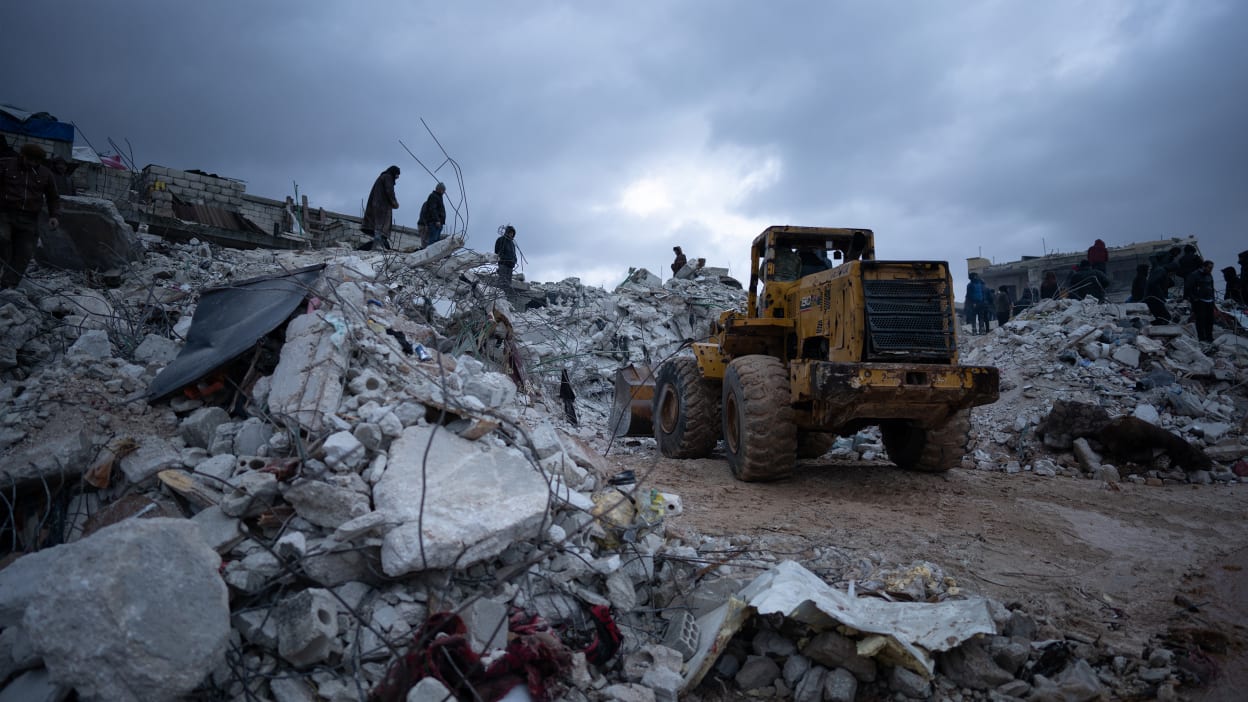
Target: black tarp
[(230, 320)]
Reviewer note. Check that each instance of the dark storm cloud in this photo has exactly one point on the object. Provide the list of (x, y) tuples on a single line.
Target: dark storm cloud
[(607, 133)]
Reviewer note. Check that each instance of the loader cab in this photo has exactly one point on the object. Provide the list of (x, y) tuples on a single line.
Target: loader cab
[(785, 254)]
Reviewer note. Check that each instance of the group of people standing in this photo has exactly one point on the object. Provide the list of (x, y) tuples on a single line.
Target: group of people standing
[(983, 303), (379, 220), (1152, 285), (382, 202), (1154, 280)]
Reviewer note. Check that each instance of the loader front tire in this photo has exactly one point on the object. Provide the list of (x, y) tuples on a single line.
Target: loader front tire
[(685, 410), (759, 434), (928, 450)]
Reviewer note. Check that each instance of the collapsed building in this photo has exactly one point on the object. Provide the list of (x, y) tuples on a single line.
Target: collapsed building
[(325, 467), (1028, 272), (289, 475)]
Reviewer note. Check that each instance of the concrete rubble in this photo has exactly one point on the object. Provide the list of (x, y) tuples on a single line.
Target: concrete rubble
[(399, 449)]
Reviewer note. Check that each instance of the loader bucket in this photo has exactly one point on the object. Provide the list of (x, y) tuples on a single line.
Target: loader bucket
[(634, 393)]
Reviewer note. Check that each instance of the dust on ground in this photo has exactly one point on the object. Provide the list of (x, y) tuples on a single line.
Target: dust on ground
[(1093, 560)]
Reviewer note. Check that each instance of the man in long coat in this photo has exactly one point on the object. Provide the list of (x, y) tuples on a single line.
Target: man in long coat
[(379, 212)]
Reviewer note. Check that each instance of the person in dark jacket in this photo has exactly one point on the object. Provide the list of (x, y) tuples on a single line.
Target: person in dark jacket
[(433, 216), (1199, 288), (505, 248), (1159, 282), (1189, 262), (976, 297), (25, 186), (379, 212), (1243, 276), (1085, 281), (1139, 284), (1234, 286), (1048, 286), (680, 261), (1004, 305), (1098, 255)]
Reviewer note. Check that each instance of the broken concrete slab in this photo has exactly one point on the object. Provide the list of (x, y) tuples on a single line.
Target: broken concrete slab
[(307, 383), (911, 632), (323, 504), (152, 455), (307, 623), (476, 500), (158, 630)]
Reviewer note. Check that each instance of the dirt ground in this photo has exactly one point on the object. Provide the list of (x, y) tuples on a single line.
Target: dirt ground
[(1094, 560)]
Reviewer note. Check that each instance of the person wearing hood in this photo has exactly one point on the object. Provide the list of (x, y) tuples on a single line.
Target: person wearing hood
[(379, 212), (976, 298), (1189, 262), (25, 185), (1098, 255)]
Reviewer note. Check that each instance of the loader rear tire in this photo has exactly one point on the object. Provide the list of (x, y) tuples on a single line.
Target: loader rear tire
[(759, 433), (928, 450), (685, 410), (813, 444)]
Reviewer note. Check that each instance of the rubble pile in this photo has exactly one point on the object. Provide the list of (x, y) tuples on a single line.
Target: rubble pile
[(1109, 356), (390, 473)]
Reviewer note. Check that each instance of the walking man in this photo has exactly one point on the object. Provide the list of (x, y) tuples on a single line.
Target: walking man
[(505, 247), (379, 212), (25, 185), (433, 216)]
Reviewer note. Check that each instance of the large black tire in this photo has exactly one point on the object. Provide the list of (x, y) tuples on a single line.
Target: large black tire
[(813, 444), (759, 433), (928, 450), (685, 410)]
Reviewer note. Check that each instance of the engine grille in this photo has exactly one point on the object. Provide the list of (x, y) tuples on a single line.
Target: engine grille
[(909, 319)]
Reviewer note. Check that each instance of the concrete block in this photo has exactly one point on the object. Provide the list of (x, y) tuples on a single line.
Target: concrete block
[(217, 529), (487, 624), (250, 494), (200, 426), (307, 623), (324, 504), (343, 451), (92, 344), (157, 349), (153, 455), (477, 501), (307, 383)]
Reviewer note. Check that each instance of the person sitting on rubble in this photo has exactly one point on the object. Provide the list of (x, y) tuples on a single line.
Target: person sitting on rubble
[(1048, 287), (680, 261), (1085, 280), (1234, 286)]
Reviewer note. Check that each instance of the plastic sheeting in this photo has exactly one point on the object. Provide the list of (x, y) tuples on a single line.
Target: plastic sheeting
[(230, 320)]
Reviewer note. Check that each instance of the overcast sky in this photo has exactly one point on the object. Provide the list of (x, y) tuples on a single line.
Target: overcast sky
[(609, 132)]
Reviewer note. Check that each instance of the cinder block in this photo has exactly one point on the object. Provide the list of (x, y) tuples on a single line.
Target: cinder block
[(307, 623)]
